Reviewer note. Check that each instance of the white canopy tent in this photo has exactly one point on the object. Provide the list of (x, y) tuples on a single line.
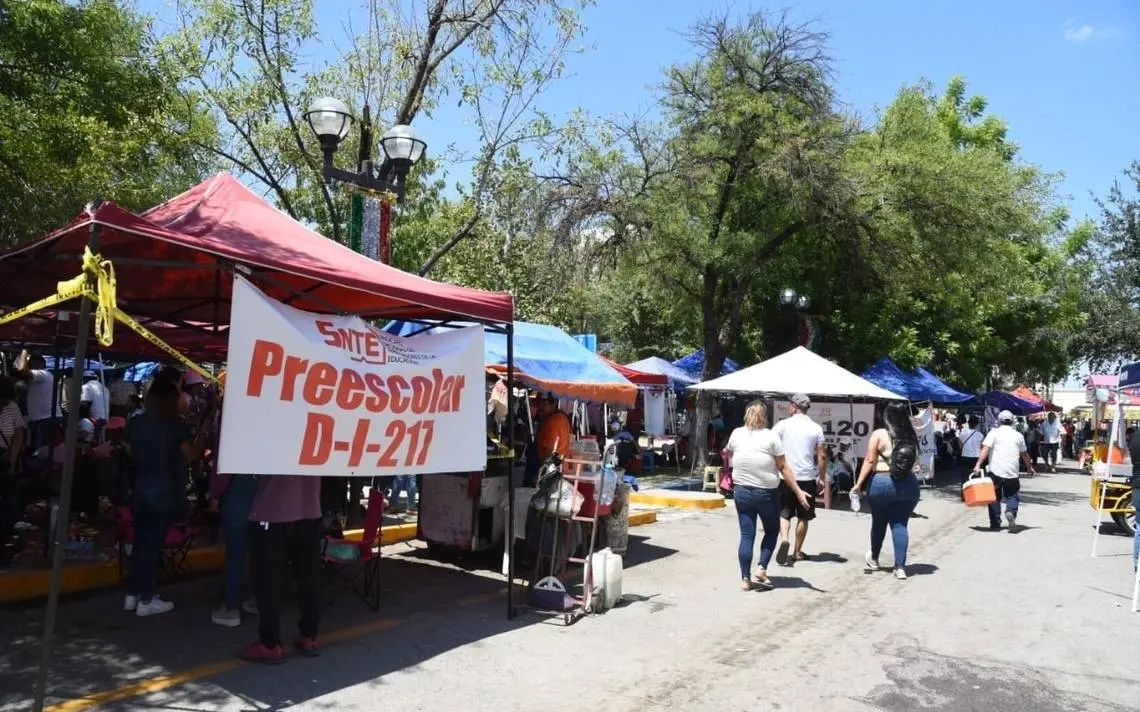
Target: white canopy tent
[(797, 371)]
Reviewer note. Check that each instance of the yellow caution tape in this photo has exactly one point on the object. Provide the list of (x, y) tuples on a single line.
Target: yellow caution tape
[(107, 311)]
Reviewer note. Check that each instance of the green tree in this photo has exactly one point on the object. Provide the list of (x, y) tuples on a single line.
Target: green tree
[(87, 110), (1108, 259), (754, 153), (245, 59), (958, 263)]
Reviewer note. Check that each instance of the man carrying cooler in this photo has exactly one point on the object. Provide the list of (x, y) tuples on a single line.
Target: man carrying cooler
[(1003, 447), (806, 453)]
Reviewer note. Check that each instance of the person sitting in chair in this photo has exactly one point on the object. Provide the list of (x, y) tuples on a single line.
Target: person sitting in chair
[(627, 447)]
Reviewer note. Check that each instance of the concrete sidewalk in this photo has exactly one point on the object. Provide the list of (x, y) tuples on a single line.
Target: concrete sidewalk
[(988, 621)]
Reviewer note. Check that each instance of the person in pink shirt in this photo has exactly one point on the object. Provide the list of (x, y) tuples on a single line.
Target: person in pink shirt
[(284, 532)]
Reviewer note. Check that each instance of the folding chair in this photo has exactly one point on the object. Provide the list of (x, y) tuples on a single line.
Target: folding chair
[(355, 565), (174, 558)]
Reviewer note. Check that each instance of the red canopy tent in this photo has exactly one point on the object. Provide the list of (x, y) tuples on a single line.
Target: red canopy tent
[(639, 378), (174, 264), (174, 269), (1026, 394)]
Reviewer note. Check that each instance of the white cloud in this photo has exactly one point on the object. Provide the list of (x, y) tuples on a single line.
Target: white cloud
[(1082, 33)]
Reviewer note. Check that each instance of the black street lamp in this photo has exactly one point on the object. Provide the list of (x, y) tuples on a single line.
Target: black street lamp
[(790, 298), (795, 304), (330, 119)]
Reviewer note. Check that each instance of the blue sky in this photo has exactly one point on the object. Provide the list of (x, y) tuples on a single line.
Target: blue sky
[(1064, 74)]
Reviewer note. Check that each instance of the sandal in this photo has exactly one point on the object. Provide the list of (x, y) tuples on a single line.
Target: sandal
[(764, 584)]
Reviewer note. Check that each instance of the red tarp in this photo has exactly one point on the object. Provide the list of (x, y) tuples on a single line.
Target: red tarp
[(640, 378), (1024, 393), (174, 264)]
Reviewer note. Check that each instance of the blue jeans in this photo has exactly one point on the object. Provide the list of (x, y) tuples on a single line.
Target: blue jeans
[(1136, 537), (754, 503), (404, 483), (236, 504), (1007, 490), (150, 523), (892, 502)]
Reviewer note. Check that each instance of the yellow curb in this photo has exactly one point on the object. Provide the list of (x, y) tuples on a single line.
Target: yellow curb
[(637, 519), (679, 499), (28, 585)]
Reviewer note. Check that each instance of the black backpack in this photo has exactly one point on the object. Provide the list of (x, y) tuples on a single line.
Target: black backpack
[(904, 457)]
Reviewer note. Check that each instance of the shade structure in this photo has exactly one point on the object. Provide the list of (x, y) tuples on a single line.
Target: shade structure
[(798, 371), (1028, 395), (917, 386), (1007, 401), (174, 264), (641, 379), (694, 365), (547, 359), (678, 378)]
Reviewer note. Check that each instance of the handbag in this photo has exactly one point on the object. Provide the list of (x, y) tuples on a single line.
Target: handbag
[(726, 471)]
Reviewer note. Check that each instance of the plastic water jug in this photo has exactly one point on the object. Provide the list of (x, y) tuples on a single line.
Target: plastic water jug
[(611, 590)]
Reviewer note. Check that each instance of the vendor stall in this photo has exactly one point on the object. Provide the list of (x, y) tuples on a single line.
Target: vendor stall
[(846, 410), (175, 270), (678, 378), (462, 510), (849, 419)]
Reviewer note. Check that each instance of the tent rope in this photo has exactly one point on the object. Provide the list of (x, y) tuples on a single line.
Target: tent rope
[(103, 294)]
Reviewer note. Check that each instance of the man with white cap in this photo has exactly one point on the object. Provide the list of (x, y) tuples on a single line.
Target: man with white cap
[(1003, 447), (806, 453)]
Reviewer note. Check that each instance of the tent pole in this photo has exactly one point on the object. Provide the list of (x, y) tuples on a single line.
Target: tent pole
[(510, 544), (72, 435)]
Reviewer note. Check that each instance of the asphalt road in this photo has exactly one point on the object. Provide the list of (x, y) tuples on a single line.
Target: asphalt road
[(1000, 622)]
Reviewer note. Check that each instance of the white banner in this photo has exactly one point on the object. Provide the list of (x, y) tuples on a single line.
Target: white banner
[(991, 420), (841, 422), (927, 449), (312, 394)]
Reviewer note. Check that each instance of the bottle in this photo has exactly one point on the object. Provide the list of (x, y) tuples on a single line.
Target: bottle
[(854, 496)]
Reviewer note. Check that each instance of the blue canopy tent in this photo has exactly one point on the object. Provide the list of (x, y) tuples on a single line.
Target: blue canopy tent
[(67, 364), (1015, 405), (694, 365), (678, 378), (547, 359), (919, 386), (141, 371)]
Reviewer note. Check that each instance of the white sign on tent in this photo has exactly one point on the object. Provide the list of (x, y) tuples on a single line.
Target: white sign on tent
[(313, 394), (924, 429), (842, 423)]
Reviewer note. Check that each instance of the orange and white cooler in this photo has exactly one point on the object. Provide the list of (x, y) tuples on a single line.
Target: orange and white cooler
[(979, 491)]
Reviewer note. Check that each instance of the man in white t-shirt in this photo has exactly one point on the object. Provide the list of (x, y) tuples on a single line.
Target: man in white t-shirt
[(97, 395), (1051, 433), (1004, 447), (969, 447), (806, 454), (41, 418)]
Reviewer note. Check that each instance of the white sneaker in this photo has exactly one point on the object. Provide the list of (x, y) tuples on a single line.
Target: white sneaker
[(130, 603), (249, 605), (153, 607), (1011, 517), (869, 563), (230, 618), (900, 574)]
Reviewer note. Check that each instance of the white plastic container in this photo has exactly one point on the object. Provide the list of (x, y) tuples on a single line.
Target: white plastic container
[(598, 576), (611, 589)]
